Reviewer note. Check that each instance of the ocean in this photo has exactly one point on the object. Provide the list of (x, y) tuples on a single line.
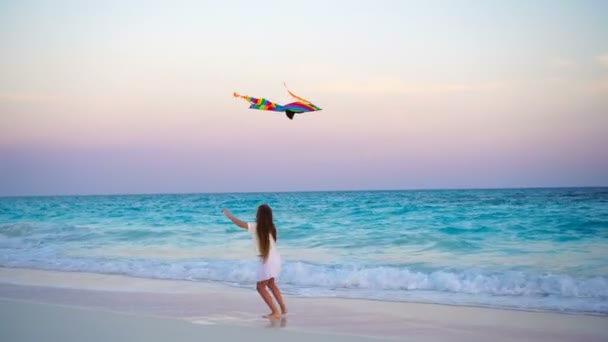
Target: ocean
[(527, 249)]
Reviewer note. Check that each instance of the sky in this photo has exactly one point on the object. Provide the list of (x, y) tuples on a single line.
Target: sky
[(121, 97)]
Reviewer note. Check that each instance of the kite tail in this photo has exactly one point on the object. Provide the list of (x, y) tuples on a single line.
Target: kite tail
[(246, 98), (294, 95)]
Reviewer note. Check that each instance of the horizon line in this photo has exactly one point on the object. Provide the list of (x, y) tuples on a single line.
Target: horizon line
[(310, 191)]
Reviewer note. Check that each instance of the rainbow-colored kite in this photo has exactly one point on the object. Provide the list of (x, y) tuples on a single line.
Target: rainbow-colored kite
[(290, 109)]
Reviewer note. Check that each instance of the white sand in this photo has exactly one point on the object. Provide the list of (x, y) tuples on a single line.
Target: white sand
[(153, 310), (26, 321)]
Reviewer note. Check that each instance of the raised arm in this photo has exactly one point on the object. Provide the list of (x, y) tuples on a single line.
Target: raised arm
[(236, 221)]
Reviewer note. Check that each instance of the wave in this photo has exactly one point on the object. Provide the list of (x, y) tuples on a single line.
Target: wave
[(510, 289), (507, 283)]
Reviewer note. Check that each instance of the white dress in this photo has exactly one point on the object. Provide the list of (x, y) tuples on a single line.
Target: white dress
[(272, 266)]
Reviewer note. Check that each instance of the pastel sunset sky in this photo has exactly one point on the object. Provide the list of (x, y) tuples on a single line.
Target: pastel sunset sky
[(101, 97)]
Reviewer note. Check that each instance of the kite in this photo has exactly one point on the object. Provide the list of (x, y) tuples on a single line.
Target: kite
[(290, 109)]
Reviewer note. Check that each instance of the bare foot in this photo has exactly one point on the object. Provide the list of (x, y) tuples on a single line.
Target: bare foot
[(284, 312), (273, 315)]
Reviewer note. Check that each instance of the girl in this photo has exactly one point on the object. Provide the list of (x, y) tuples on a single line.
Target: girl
[(264, 235)]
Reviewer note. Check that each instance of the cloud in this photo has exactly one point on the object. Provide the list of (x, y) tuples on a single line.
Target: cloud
[(560, 63), (603, 59), (600, 86), (395, 86), (27, 98)]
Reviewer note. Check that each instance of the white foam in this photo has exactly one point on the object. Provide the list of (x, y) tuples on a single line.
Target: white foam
[(515, 289)]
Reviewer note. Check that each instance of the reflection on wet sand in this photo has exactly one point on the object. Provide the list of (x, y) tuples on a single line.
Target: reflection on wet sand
[(277, 323)]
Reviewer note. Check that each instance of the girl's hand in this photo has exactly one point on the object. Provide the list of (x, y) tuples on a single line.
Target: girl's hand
[(234, 219)]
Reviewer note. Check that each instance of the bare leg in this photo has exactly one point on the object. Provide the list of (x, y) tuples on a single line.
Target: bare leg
[(277, 294), (261, 286)]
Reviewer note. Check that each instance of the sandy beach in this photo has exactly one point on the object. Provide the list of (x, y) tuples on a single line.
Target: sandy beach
[(85, 306)]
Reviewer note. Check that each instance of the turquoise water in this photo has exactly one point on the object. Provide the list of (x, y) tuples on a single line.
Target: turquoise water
[(531, 249)]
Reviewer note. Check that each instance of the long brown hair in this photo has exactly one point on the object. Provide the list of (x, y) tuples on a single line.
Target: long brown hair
[(264, 229)]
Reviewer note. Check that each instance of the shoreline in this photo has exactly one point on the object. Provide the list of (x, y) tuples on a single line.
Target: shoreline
[(221, 305), (206, 285), (21, 280)]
